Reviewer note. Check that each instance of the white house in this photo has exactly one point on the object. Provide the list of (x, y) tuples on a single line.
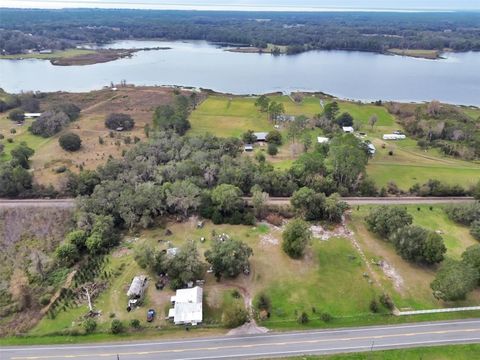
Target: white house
[(187, 306), (394, 137), (348, 129), (322, 139), (371, 149), (32, 115)]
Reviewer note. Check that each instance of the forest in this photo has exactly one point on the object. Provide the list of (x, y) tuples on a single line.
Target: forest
[(23, 30)]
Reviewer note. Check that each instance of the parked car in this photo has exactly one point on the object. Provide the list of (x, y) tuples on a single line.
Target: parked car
[(150, 315)]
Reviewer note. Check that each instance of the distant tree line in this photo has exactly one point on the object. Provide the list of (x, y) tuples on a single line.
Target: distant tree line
[(23, 30)]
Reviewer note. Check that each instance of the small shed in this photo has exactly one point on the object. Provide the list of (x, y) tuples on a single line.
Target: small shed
[(261, 136), (394, 137), (322, 139), (32, 115), (348, 129), (248, 147)]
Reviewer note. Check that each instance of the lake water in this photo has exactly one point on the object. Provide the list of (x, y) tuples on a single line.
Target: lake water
[(353, 75)]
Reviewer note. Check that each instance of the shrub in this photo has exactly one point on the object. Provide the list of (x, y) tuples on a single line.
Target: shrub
[(386, 301), (303, 318), (384, 220), (274, 137), (13, 131), (89, 325), (475, 229), (16, 115), (70, 142), (116, 121), (272, 149), (49, 123), (454, 280), (135, 323), (116, 327), (262, 302), (274, 219), (69, 109), (373, 306), (326, 317), (67, 254), (45, 300), (234, 317)]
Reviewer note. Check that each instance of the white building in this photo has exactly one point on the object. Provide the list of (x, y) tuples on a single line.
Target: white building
[(32, 115), (348, 129), (261, 136), (322, 139), (187, 306), (394, 137), (371, 149)]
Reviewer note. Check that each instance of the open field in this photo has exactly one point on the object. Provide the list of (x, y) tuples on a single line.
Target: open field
[(409, 284), (450, 352), (60, 54)]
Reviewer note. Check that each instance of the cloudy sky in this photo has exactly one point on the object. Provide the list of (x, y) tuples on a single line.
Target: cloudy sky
[(302, 5)]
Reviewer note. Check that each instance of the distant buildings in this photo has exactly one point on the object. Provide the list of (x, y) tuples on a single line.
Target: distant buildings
[(187, 306)]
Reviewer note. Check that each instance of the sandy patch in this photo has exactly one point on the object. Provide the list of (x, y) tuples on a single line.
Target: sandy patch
[(392, 274)]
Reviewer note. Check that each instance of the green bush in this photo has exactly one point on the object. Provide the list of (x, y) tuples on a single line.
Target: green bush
[(373, 306), (326, 317), (135, 323), (234, 317), (303, 318), (116, 327), (89, 325), (70, 142)]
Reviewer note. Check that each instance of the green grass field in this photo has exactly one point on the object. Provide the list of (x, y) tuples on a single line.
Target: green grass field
[(54, 55), (409, 285), (450, 352), (225, 116)]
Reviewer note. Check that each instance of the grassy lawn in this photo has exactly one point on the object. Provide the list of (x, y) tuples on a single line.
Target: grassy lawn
[(421, 53), (450, 352), (54, 55), (409, 284), (224, 116)]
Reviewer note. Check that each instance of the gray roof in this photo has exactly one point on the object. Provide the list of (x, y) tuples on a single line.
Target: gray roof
[(261, 136)]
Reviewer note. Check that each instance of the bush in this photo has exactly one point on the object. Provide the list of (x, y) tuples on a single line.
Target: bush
[(295, 238), (49, 123), (67, 254), (326, 317), (262, 302), (272, 149), (116, 327), (16, 115), (303, 318), (70, 142), (373, 306), (464, 214), (454, 280), (45, 300), (475, 229), (89, 325), (234, 317), (274, 137), (387, 301), (274, 219), (384, 220), (116, 121), (135, 323), (68, 108)]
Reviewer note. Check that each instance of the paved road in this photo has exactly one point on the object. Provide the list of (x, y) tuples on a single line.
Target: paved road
[(265, 346), (5, 203)]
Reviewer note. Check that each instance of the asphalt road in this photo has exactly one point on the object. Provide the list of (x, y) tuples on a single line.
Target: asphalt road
[(266, 345), (6, 203)]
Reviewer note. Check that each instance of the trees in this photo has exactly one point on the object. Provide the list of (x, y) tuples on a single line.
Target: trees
[(117, 121), (475, 229), (185, 266), (296, 127), (21, 155), (68, 108), (274, 137), (454, 280), (49, 123), (373, 120), (331, 110), (416, 244), (102, 236), (345, 119), (262, 103), (275, 110), (249, 137), (296, 237), (168, 117), (183, 196), (259, 201), (227, 198), (16, 115), (312, 205), (30, 103), (471, 256), (348, 160), (70, 142), (234, 316), (384, 220), (14, 180), (228, 257)]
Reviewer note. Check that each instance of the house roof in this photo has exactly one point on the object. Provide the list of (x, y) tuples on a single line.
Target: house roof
[(248, 147), (261, 136), (188, 306), (347, 128), (322, 139)]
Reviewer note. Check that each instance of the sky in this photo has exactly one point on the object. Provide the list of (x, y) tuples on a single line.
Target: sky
[(265, 5)]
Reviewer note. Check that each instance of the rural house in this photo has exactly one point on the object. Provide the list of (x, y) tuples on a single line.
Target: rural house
[(187, 306), (261, 136)]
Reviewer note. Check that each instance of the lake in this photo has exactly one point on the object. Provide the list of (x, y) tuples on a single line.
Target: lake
[(351, 75)]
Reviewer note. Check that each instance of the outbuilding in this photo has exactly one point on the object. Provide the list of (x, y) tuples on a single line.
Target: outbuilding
[(322, 140), (394, 137), (261, 136), (348, 129), (187, 306), (248, 147), (32, 115), (136, 291)]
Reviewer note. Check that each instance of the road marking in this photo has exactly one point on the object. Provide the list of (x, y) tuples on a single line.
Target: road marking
[(227, 339), (300, 342)]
